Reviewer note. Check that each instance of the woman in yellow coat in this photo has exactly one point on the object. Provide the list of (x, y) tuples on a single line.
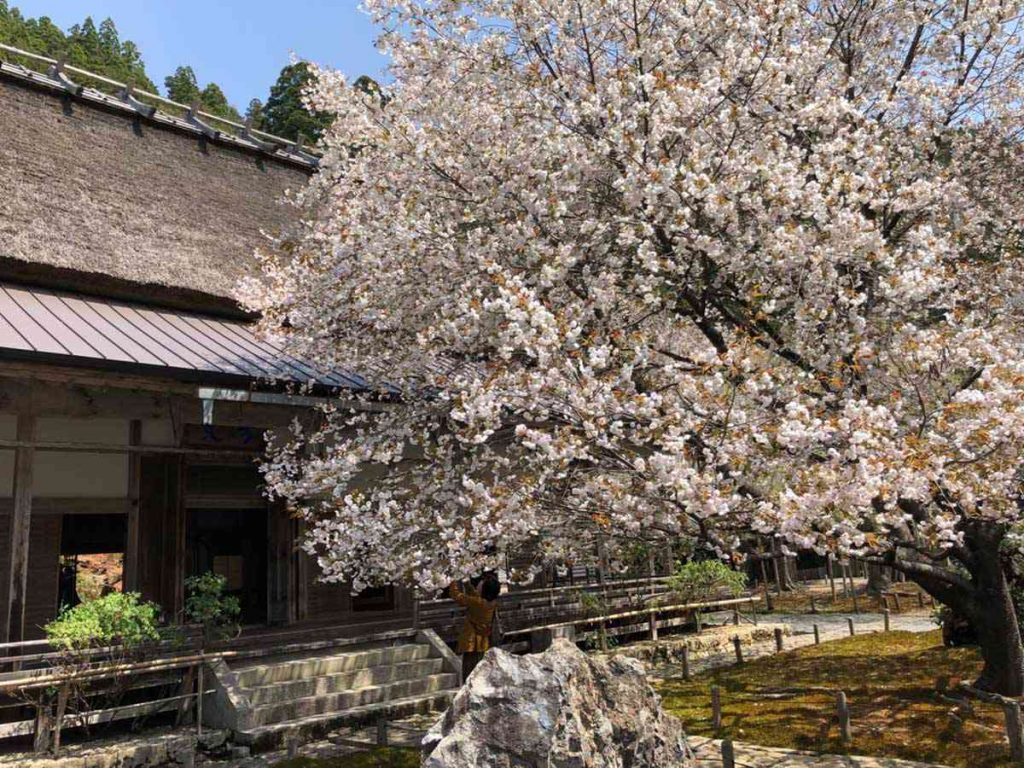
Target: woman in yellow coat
[(480, 603)]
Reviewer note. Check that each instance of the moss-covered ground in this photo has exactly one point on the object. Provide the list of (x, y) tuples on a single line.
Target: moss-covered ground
[(892, 682), (377, 758)]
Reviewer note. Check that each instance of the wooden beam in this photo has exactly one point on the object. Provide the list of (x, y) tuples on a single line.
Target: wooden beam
[(131, 551), (49, 445), (17, 575), (77, 505)]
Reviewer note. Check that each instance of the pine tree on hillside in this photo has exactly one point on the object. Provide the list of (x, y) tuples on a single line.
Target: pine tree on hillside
[(183, 87), (97, 49), (285, 114)]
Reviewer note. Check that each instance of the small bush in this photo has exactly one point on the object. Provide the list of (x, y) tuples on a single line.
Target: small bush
[(119, 618), (208, 606), (701, 580)]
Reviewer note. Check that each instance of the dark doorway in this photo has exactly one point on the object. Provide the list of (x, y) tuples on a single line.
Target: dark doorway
[(233, 544), (91, 557)]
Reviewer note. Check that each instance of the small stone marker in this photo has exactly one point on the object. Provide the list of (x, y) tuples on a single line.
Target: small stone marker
[(843, 711), (778, 639), (817, 635), (686, 662), (885, 618), (920, 599), (739, 649), (850, 622), (1014, 730), (728, 754), (382, 732), (716, 707)]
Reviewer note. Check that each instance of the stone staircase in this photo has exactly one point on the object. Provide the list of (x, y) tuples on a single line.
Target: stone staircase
[(304, 691)]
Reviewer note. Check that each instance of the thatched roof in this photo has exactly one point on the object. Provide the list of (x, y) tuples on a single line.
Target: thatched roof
[(98, 198)]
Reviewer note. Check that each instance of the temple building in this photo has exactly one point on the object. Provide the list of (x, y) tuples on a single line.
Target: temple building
[(134, 394)]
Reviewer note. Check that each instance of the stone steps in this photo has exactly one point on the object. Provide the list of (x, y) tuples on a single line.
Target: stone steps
[(297, 693), (318, 666), (322, 685), (263, 738), (311, 706)]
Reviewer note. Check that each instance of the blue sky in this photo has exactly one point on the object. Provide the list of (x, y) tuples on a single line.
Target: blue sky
[(239, 44)]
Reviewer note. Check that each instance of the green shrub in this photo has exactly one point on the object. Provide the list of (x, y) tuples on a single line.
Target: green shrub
[(208, 606), (119, 618), (701, 580)]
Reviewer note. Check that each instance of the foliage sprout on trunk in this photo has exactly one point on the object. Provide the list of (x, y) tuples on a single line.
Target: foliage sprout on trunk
[(617, 272)]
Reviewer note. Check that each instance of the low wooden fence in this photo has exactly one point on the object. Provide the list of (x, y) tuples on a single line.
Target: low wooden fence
[(169, 684)]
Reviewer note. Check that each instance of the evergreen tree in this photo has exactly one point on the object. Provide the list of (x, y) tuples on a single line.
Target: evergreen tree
[(97, 49), (182, 86), (285, 114), (254, 112), (214, 101)]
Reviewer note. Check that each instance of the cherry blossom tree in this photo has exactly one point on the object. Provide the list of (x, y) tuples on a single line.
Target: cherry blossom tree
[(622, 271)]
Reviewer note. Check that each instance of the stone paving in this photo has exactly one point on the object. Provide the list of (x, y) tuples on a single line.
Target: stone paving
[(709, 755)]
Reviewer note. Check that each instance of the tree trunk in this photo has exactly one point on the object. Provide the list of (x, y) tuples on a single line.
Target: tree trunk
[(987, 601), (995, 619), (878, 579)]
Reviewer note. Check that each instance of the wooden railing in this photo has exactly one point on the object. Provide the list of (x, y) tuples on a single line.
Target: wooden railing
[(179, 681)]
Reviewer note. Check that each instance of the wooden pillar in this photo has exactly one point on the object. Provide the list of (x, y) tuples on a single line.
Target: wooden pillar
[(131, 548), (21, 521)]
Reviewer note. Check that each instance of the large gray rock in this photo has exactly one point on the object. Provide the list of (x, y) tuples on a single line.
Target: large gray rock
[(557, 709)]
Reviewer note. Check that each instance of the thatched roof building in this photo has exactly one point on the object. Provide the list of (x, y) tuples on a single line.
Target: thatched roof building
[(99, 197)]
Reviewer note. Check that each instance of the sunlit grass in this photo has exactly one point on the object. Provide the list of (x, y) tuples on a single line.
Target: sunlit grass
[(890, 680)]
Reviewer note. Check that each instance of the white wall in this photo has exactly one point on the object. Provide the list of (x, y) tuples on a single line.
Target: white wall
[(81, 475), (67, 474)]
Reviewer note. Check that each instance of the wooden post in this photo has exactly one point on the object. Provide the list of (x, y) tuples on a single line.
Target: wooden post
[(293, 747), (1014, 730), (43, 727), (896, 602), (843, 711), (58, 718), (735, 617), (738, 647), (652, 626), (716, 707), (778, 639), (853, 594), (416, 609), (775, 568), (830, 570), (850, 623), (764, 575), (696, 620), (382, 732), (200, 693), (185, 691), (817, 635), (686, 662), (885, 618), (13, 624), (131, 547), (814, 608), (920, 599), (728, 754)]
